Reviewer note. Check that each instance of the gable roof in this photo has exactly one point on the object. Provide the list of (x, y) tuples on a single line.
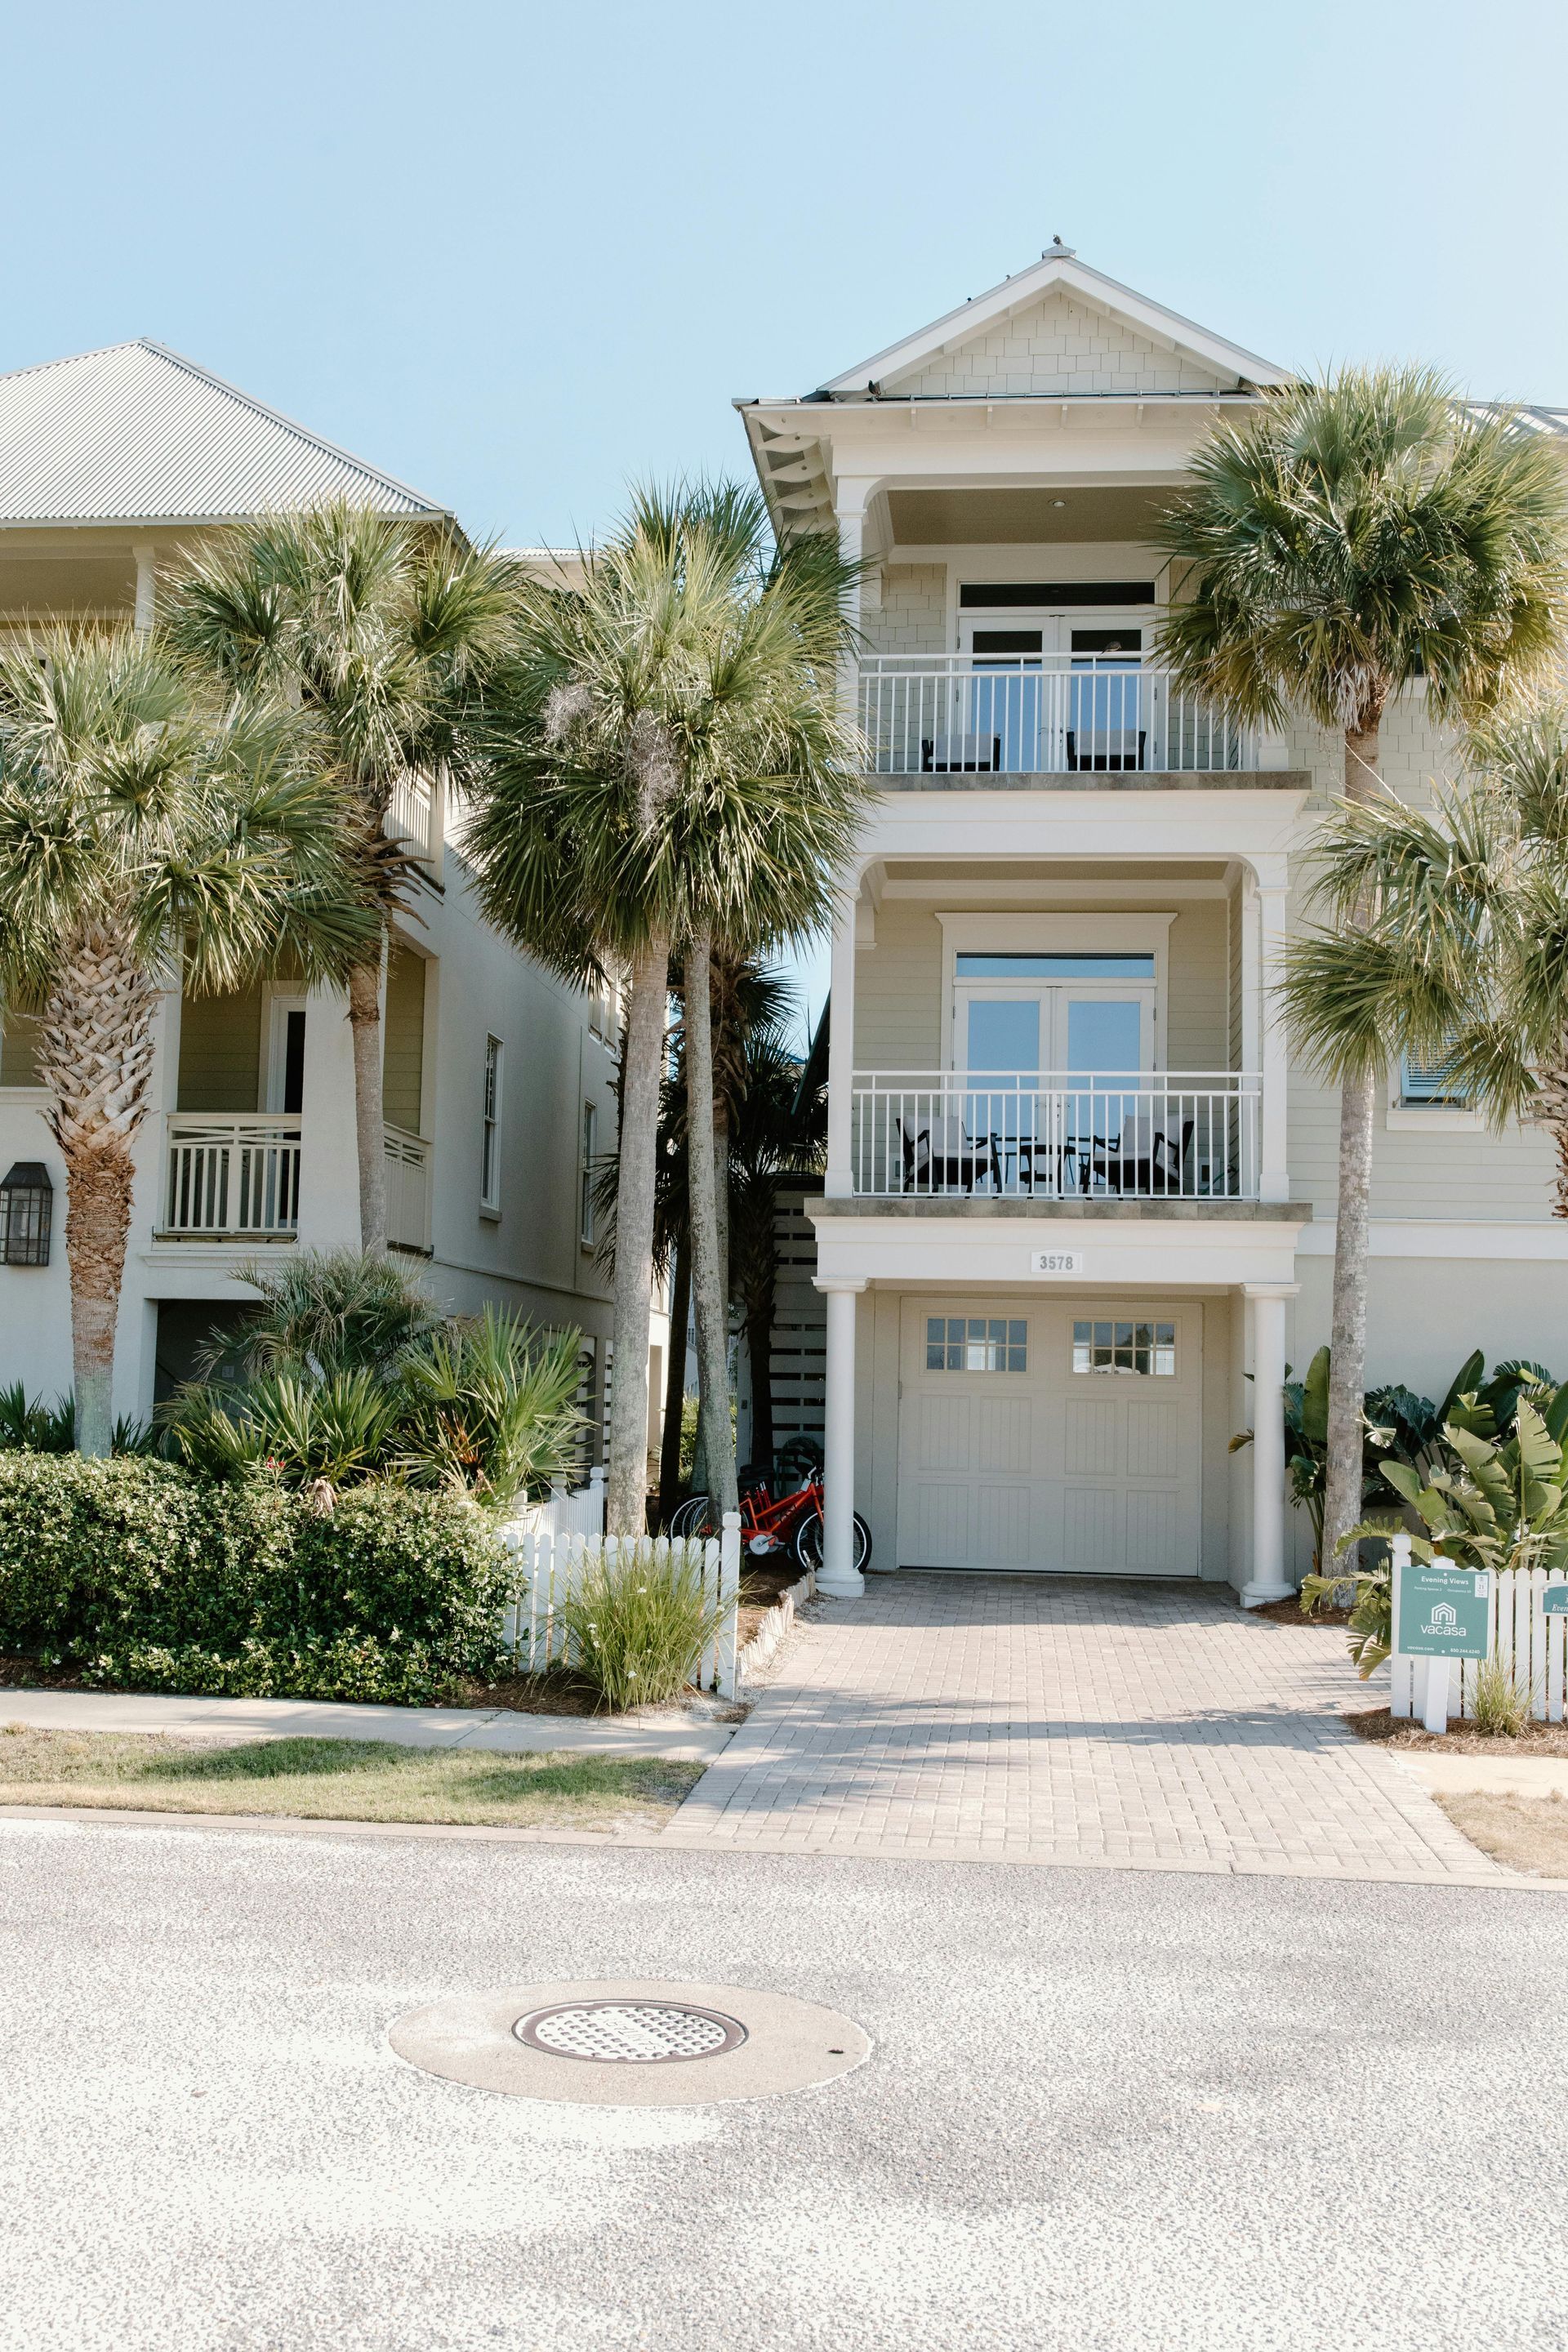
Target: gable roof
[(136, 434), (1058, 269)]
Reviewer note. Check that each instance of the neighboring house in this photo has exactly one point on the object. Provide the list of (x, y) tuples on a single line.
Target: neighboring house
[(1078, 1205), (500, 1081)]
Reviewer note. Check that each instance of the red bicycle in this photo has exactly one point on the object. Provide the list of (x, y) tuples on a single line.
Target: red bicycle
[(790, 1522)]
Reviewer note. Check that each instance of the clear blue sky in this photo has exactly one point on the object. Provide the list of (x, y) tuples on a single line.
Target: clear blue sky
[(520, 255)]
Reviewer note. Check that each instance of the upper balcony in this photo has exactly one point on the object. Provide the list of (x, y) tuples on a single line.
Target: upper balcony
[(1040, 714)]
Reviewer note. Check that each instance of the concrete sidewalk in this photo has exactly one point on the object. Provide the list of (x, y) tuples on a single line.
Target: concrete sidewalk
[(673, 1734)]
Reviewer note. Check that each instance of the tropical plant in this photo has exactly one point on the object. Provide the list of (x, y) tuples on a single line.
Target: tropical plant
[(384, 630), (665, 770), (28, 1425), (1347, 539), (638, 1620), (489, 1409), (150, 838), (1503, 1507), (346, 1374), (325, 1311), (1502, 1702)]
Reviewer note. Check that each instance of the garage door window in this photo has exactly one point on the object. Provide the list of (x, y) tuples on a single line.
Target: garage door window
[(1142, 1350), (975, 1343)]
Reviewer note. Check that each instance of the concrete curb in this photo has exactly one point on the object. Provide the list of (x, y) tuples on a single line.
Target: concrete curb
[(1494, 1880)]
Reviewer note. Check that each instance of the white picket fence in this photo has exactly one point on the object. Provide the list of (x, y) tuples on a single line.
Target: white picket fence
[(549, 1561), (570, 1511), (1531, 1645)]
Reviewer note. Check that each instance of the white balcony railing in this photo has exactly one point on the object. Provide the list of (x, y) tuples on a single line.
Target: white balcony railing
[(407, 1164), (232, 1175), (1046, 715), (1056, 1135)]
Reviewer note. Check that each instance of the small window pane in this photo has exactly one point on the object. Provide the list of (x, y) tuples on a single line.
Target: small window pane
[(975, 1343), (1138, 1351)]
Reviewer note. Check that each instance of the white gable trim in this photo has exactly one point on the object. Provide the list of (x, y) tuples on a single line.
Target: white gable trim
[(1056, 273)]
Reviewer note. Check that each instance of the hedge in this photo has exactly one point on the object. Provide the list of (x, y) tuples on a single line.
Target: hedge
[(141, 1574)]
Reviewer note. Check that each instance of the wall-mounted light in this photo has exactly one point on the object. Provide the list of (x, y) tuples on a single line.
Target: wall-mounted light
[(27, 1213)]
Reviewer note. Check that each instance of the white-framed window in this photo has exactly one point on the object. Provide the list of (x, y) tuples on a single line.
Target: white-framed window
[(976, 1343), (1141, 1350), (1424, 1083), (489, 1141), (586, 1178)]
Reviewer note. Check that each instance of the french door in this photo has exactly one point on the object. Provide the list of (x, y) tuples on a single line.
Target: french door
[(1049, 693)]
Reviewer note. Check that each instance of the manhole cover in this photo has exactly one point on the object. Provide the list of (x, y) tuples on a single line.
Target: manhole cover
[(630, 2032), (623, 2038)]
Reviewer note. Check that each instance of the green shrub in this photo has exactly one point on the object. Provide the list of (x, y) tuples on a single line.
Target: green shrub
[(139, 1571), (639, 1625)]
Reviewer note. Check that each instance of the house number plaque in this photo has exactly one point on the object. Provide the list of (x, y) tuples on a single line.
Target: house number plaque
[(1055, 1261)]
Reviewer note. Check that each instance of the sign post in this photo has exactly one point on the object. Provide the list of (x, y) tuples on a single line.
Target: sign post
[(1440, 1614)]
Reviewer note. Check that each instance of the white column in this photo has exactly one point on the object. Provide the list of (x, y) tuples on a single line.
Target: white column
[(1274, 1179), (838, 1575), (1268, 1580), (146, 586), (838, 1180)]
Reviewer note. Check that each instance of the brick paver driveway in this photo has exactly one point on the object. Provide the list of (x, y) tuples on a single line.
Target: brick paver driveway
[(1031, 1719)]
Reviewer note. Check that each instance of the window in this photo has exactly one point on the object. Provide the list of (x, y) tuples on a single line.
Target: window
[(1421, 1083), (1140, 1349), (975, 1343), (585, 1179), (973, 965), (489, 1149)]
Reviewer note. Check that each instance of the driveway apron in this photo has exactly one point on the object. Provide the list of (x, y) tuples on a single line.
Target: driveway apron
[(1037, 1719)]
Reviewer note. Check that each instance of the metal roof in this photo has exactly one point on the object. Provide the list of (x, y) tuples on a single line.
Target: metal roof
[(137, 433)]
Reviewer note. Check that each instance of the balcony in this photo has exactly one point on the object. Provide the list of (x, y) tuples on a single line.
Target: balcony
[(232, 1178), (236, 1178), (412, 816), (1043, 715), (1056, 1135)]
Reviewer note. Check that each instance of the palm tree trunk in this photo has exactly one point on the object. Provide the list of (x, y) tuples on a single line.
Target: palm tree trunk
[(625, 1511), (1347, 1340), (674, 1383), (706, 1412), (370, 1129), (708, 1278), (95, 1055)]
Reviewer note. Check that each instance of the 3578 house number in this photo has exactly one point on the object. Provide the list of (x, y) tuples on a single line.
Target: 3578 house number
[(1055, 1261)]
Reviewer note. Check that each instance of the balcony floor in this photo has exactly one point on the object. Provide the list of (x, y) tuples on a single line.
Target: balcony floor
[(1094, 780), (1218, 1207)]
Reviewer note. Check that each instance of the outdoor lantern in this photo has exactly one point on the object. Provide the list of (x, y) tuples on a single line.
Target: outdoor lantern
[(26, 1213)]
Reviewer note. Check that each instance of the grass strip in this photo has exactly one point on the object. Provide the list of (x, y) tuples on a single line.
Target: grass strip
[(1527, 1833), (338, 1779)]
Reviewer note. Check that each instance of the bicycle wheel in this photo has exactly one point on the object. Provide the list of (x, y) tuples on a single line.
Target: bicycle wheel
[(806, 1542), (691, 1518)]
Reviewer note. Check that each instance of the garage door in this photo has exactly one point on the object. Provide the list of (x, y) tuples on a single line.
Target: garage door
[(1050, 1436)]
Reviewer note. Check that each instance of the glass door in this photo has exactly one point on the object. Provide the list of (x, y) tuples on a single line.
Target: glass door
[(1025, 1025), (1002, 701)]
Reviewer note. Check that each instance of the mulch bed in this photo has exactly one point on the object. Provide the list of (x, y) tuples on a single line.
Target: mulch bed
[(1290, 1612), (1463, 1739)]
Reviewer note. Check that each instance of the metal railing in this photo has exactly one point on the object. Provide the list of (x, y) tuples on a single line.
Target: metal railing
[(407, 1161), (1056, 1135), (232, 1175), (1041, 715)]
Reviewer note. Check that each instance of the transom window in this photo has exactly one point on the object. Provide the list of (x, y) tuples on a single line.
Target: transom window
[(975, 1343), (976, 965), (1142, 1350)]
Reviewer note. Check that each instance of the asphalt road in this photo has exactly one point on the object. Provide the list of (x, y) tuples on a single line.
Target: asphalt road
[(1105, 2109)]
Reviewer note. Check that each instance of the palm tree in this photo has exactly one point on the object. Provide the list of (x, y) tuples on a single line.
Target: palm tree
[(385, 630), (1462, 962), (773, 788), (1352, 537), (665, 770), (148, 839)]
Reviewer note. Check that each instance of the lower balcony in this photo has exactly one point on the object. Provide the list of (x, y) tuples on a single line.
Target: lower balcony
[(1056, 1135), (237, 1177)]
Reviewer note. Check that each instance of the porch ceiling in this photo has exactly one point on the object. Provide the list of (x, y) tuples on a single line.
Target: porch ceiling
[(958, 871), (1022, 517)]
